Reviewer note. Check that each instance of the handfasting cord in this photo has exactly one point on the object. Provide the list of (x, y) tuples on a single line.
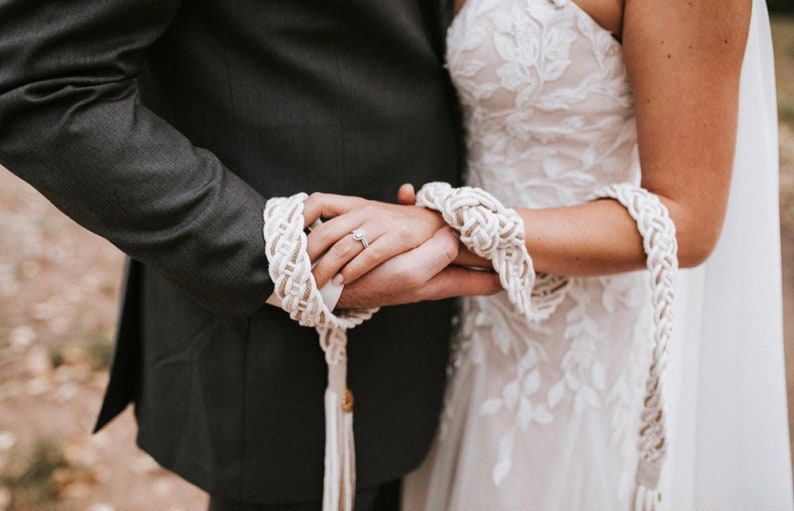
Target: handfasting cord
[(290, 270), (496, 233), (659, 242)]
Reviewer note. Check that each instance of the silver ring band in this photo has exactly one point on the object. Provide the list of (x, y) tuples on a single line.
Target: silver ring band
[(361, 235)]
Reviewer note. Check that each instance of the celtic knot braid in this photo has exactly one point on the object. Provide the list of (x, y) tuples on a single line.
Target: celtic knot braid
[(291, 271), (659, 242), (496, 233)]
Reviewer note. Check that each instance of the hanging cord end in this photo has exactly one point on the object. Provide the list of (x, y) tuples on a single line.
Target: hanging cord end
[(658, 233), (290, 269), (647, 495), (647, 499), (340, 471)]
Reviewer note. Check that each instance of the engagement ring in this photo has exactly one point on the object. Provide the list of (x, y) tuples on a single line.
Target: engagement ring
[(361, 235)]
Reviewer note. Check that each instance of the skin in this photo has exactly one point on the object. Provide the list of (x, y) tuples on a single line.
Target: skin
[(410, 255), (683, 59)]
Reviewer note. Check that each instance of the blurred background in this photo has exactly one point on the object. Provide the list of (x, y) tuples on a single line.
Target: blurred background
[(59, 287)]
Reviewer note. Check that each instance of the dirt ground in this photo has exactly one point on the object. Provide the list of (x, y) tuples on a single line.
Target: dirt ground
[(59, 289)]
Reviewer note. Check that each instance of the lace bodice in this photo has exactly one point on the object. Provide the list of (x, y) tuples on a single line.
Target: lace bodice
[(547, 106)]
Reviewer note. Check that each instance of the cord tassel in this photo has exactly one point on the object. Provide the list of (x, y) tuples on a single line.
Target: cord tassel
[(331, 483), (340, 463), (647, 496), (647, 499), (340, 478)]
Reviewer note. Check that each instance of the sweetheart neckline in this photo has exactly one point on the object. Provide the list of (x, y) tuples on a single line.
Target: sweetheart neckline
[(576, 7)]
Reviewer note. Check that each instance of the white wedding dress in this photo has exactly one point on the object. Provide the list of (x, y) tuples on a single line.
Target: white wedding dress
[(545, 416)]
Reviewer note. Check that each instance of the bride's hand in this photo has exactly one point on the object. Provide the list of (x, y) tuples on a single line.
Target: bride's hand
[(421, 274), (407, 195), (389, 230)]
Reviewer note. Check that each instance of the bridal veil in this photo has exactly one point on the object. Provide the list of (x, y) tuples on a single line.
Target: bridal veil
[(726, 396)]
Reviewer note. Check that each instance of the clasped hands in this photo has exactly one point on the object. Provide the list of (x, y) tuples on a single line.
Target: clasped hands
[(411, 254)]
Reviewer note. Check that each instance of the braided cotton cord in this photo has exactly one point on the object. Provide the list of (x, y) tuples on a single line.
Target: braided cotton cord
[(496, 233), (659, 242), (290, 270)]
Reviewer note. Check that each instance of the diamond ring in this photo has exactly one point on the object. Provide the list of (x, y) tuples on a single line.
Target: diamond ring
[(361, 235)]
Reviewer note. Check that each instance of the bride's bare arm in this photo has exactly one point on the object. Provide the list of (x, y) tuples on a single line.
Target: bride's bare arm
[(684, 59)]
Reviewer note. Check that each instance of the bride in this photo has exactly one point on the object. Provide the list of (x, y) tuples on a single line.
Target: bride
[(561, 98)]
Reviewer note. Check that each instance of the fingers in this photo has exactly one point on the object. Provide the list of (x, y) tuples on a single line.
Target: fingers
[(390, 230), (419, 275), (345, 214), (401, 278), (466, 258), (457, 281), (406, 194), (348, 259), (429, 258), (404, 255), (343, 239), (347, 248), (444, 280), (397, 238), (327, 205), (399, 234)]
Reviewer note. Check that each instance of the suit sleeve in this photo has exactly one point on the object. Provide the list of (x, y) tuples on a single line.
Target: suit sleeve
[(72, 126)]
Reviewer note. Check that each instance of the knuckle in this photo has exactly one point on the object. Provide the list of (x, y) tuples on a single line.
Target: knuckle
[(373, 254), (320, 272), (368, 209), (342, 250), (404, 230), (409, 278), (320, 234), (451, 252), (354, 269)]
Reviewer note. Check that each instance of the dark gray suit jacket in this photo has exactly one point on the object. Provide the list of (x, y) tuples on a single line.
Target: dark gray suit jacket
[(164, 126)]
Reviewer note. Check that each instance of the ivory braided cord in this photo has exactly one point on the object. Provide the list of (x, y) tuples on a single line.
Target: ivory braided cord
[(660, 245), (496, 233), (291, 271)]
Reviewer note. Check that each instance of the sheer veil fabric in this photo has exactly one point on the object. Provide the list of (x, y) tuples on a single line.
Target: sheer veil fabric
[(726, 392)]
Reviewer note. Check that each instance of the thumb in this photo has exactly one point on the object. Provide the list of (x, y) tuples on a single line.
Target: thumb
[(406, 195), (429, 258)]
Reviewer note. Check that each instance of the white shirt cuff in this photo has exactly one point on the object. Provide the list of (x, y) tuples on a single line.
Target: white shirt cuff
[(330, 293)]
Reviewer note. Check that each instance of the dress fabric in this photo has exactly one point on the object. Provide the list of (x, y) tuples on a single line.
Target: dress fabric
[(544, 416)]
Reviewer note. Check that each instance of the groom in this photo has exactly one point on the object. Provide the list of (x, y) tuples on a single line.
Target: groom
[(165, 126)]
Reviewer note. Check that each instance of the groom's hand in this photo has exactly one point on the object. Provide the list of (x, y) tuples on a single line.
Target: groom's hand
[(406, 194), (420, 274)]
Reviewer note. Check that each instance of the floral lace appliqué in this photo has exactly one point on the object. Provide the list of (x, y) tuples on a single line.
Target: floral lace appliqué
[(549, 117)]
